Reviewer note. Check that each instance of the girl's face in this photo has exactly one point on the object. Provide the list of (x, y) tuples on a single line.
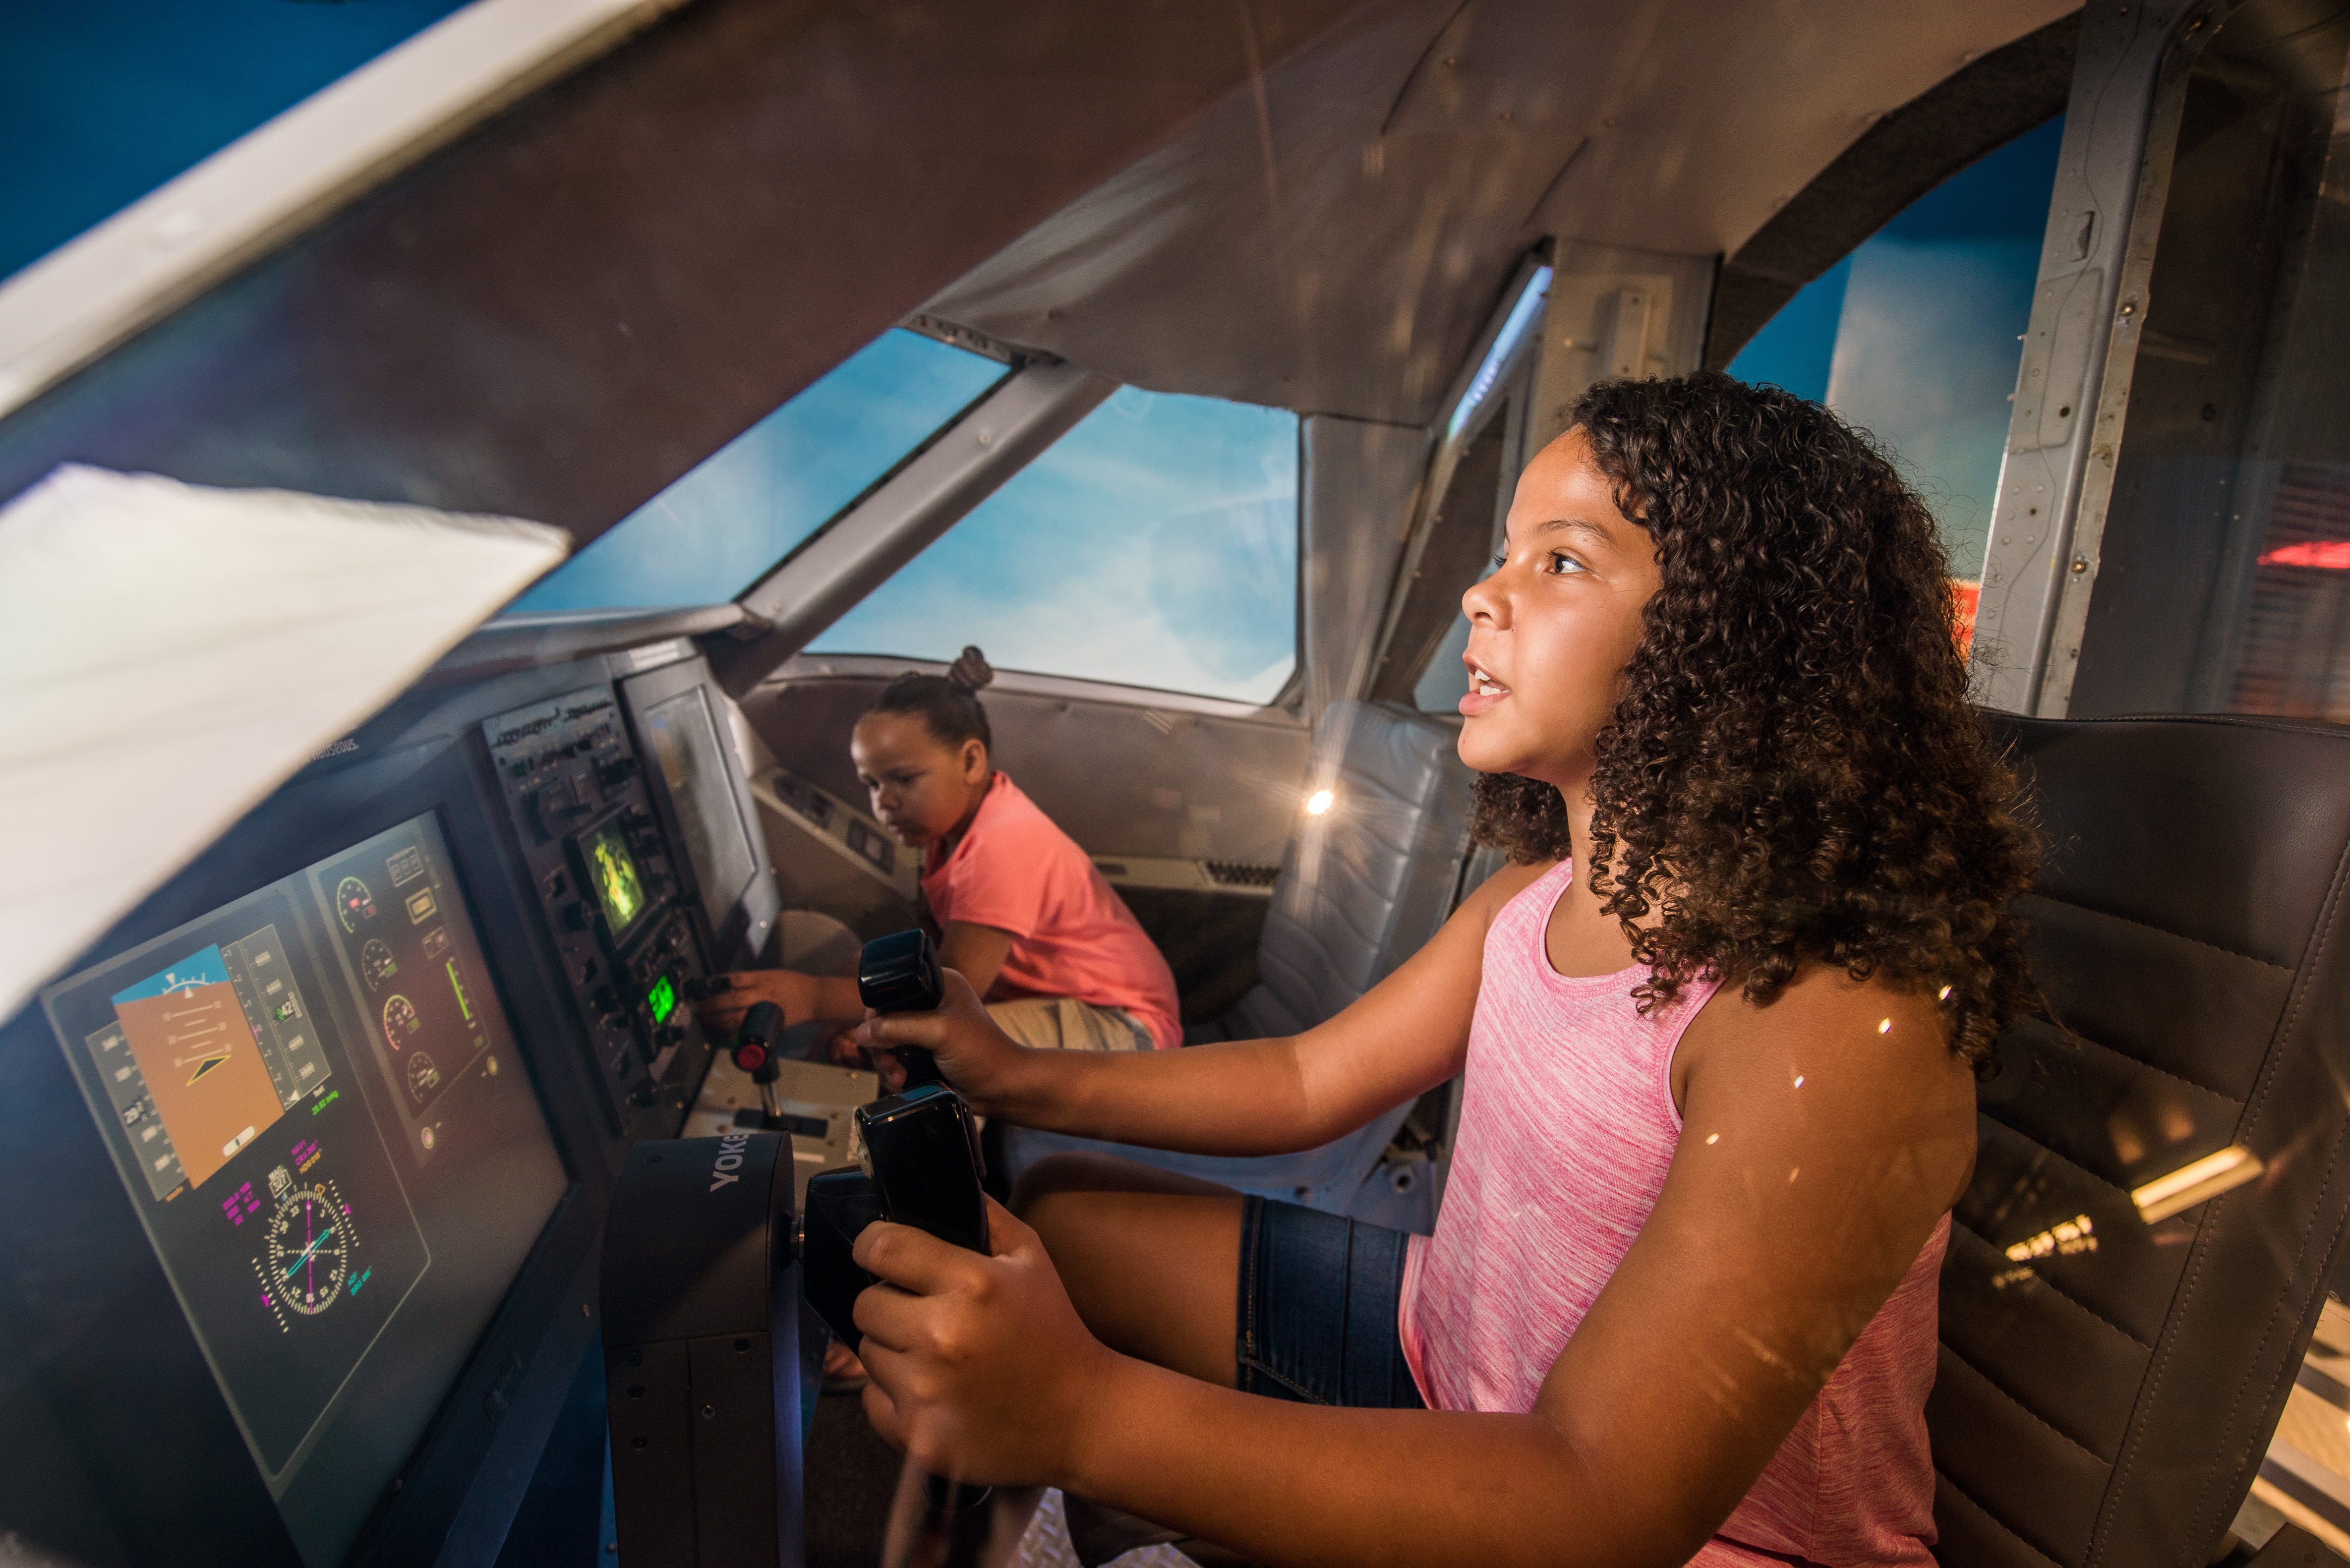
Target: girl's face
[(1552, 630), (921, 788)]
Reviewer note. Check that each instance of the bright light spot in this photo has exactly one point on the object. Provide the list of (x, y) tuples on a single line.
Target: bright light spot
[(1318, 801), (2191, 1183), (2327, 554), (1792, 1174), (1521, 316), (1884, 1026), (1945, 994), (1799, 1080), (2074, 1235), (1715, 1138)]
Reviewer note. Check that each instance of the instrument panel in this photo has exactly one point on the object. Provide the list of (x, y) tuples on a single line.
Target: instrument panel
[(363, 1072), (625, 933)]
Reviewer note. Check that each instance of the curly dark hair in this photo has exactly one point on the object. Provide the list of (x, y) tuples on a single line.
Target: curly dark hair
[(1793, 771)]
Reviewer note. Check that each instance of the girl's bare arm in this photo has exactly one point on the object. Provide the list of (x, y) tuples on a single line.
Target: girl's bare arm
[(1791, 1211), (1405, 1035)]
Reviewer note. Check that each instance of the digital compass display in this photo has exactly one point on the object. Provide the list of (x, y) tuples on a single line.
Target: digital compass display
[(308, 1242)]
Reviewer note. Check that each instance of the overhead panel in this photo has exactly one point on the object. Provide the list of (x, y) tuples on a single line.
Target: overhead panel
[(1334, 241)]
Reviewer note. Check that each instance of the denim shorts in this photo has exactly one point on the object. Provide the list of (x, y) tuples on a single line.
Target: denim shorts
[(1318, 1295)]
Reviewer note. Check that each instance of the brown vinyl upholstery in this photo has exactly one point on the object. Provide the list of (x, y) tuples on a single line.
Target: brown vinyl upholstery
[(2107, 1390)]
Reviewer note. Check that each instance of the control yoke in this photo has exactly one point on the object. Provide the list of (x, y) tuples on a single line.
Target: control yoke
[(901, 974), (704, 1358)]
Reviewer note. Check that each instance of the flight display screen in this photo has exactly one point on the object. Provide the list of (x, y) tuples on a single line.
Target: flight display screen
[(612, 871), (700, 788), (313, 1097)]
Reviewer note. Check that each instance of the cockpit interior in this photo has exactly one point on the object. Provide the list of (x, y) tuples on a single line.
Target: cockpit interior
[(469, 467)]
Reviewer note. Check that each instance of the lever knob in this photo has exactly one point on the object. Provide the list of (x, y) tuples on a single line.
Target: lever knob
[(754, 1040)]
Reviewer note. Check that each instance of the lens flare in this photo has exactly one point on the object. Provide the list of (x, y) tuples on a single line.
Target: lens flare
[(1318, 801)]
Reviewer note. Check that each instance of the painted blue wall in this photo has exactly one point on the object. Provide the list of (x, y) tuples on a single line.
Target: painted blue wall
[(1916, 336), (103, 100)]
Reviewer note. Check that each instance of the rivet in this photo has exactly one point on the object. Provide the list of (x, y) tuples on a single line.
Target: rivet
[(2079, 566)]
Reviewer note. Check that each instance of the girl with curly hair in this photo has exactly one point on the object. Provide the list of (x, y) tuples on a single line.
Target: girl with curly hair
[(1717, 1018)]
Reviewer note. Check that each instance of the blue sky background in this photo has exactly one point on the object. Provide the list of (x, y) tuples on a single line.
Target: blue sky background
[(100, 103), (1916, 336), (1155, 545), (717, 530)]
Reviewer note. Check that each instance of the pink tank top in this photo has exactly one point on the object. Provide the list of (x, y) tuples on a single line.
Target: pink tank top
[(1537, 1215)]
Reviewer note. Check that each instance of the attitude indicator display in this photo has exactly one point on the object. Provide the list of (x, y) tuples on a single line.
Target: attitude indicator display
[(301, 1093), (204, 1055)]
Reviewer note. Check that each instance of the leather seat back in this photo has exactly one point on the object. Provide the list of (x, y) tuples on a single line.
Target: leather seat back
[(1362, 888), (1365, 884), (2108, 1387)]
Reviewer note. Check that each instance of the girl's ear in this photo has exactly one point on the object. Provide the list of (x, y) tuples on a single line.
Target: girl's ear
[(974, 759)]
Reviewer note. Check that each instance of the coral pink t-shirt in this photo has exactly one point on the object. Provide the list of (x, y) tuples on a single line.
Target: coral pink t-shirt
[(1072, 935), (1540, 1210)]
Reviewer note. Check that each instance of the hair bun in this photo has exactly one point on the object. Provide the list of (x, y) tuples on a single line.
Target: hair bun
[(970, 670)]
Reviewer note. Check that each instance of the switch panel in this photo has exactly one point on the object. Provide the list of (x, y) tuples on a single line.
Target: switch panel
[(629, 946)]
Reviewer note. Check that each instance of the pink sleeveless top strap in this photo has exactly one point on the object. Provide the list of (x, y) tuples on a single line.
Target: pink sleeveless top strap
[(1537, 1214)]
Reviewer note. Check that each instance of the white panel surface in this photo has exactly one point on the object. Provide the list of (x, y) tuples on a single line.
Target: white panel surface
[(170, 654)]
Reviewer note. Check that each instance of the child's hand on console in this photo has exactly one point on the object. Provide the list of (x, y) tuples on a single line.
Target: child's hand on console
[(729, 996), (981, 1369)]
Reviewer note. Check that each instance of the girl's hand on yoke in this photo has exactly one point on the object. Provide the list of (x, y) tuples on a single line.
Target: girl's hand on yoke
[(975, 1056), (981, 1369)]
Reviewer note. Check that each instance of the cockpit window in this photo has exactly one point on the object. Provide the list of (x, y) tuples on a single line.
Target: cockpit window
[(1155, 545), (1916, 336), (717, 530)]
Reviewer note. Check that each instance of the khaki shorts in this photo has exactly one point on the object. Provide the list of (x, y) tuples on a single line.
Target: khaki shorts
[(1064, 1023)]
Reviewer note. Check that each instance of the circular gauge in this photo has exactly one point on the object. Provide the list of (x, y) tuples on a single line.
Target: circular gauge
[(423, 1077), (377, 964), (354, 903), (399, 1020), (309, 1256)]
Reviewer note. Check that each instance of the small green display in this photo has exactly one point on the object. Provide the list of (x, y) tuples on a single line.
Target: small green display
[(661, 999)]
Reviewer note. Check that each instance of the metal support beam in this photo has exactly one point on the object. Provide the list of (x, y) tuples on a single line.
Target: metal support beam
[(819, 582), (2073, 385)]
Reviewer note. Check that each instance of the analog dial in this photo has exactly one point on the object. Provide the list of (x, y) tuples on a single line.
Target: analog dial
[(399, 1020), (377, 964), (423, 1076), (354, 903)]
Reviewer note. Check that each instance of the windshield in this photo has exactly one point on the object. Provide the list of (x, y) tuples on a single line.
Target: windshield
[(1155, 545), (720, 528)]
